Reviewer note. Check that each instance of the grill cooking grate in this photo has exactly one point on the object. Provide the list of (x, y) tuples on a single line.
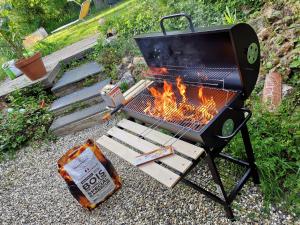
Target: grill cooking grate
[(141, 101), (193, 75)]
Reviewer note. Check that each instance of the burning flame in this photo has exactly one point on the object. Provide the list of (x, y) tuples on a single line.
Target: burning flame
[(182, 89), (168, 107), (207, 104)]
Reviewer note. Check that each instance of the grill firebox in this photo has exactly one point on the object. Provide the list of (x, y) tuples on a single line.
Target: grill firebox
[(192, 121)]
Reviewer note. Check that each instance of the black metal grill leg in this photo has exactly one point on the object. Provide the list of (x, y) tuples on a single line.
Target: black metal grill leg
[(250, 155), (229, 212), (217, 179)]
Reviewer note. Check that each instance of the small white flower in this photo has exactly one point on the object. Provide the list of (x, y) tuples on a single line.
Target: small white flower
[(22, 110)]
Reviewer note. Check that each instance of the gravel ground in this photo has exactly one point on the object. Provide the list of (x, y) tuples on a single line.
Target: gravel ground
[(32, 192)]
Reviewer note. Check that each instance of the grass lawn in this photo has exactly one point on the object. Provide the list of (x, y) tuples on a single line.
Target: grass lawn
[(79, 31)]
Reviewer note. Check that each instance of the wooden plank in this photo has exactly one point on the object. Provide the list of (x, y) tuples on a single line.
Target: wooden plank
[(133, 87), (137, 90), (174, 161), (183, 147), (156, 171)]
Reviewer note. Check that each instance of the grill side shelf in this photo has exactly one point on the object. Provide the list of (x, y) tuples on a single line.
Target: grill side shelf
[(176, 162), (184, 148), (158, 172)]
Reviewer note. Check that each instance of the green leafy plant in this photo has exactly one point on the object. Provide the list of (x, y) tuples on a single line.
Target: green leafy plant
[(295, 64), (27, 119), (208, 12), (230, 17), (110, 54), (124, 87)]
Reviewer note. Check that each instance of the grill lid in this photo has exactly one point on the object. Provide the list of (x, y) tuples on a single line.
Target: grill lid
[(224, 56)]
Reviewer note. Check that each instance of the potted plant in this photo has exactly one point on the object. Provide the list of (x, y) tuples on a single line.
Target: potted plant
[(30, 64)]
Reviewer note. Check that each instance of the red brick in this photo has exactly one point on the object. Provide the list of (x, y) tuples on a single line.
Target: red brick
[(272, 91)]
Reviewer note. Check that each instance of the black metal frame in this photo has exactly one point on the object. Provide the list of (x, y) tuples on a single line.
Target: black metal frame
[(210, 156)]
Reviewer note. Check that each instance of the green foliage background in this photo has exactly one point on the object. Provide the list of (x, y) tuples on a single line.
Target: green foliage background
[(50, 14)]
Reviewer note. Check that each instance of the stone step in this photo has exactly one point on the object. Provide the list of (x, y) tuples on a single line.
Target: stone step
[(89, 95), (78, 120), (74, 76)]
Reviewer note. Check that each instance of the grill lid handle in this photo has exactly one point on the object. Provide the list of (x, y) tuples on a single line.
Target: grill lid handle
[(174, 16), (249, 114)]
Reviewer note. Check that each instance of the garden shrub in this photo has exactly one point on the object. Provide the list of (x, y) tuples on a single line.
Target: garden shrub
[(142, 18), (145, 16), (110, 54), (50, 14), (208, 12), (26, 119)]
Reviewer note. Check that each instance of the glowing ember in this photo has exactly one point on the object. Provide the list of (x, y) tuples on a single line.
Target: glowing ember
[(166, 105), (155, 71)]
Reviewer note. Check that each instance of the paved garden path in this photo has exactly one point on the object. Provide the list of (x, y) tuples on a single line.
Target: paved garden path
[(51, 61), (32, 192)]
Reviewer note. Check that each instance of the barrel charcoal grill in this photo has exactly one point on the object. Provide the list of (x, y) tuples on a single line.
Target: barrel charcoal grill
[(222, 63)]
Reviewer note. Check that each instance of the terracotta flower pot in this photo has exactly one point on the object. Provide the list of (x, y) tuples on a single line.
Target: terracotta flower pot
[(33, 67)]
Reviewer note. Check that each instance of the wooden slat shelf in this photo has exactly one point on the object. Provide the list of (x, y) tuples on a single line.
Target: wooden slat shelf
[(153, 169), (183, 147), (128, 145), (174, 161)]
